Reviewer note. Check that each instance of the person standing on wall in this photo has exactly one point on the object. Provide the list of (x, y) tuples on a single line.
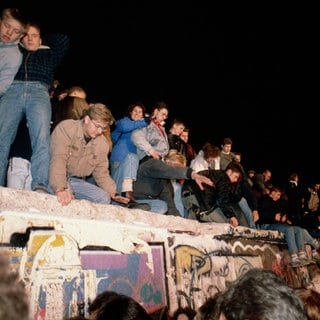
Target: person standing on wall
[(29, 95)]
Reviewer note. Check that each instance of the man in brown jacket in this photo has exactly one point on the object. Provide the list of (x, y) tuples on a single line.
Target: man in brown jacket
[(79, 152)]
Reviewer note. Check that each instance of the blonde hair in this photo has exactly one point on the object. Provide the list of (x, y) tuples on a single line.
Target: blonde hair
[(175, 158), (99, 111)]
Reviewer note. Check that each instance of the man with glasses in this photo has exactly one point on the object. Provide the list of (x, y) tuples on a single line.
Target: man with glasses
[(79, 165)]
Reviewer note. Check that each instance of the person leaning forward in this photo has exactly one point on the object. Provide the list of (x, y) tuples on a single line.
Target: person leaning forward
[(79, 152)]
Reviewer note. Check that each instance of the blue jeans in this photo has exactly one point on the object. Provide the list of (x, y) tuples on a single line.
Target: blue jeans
[(243, 204), (32, 99), (156, 205), (293, 235), (86, 190), (125, 169), (177, 188)]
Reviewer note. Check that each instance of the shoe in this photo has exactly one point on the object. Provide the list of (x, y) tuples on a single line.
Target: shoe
[(129, 195), (140, 206), (41, 190), (299, 262)]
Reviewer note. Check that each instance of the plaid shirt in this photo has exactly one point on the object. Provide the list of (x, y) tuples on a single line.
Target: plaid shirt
[(40, 65)]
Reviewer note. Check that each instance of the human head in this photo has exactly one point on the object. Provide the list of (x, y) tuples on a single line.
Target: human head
[(275, 193), (267, 175), (314, 274), (210, 152), (14, 303), (260, 294), (136, 111), (185, 313), (311, 302), (251, 173), (185, 135), (32, 38), (226, 145), (97, 120), (74, 91), (12, 25), (238, 156), (177, 127), (175, 158), (293, 177), (160, 112), (114, 306), (234, 172)]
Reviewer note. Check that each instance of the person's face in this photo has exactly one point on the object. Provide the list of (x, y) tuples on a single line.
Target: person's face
[(275, 195), (32, 41), (184, 136), (233, 176), (160, 115), (226, 148), (136, 113), (177, 129), (94, 128), (267, 176), (11, 30)]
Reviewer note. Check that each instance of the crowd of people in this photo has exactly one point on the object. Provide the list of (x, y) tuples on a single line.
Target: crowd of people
[(53, 140), (257, 294)]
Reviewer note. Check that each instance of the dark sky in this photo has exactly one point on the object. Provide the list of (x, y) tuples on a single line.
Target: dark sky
[(223, 70)]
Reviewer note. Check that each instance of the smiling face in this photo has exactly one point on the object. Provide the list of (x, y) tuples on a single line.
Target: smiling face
[(136, 113)]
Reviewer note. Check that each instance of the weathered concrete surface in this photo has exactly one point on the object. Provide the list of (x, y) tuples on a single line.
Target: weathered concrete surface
[(159, 260)]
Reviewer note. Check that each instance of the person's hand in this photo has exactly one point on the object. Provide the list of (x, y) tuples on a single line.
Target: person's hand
[(65, 196), (234, 222), (120, 199), (277, 217), (255, 216), (155, 155), (200, 180)]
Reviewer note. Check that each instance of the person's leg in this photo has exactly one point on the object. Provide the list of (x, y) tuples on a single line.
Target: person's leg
[(295, 244), (38, 114), (177, 189), (214, 216), (18, 175), (116, 174), (243, 204), (156, 205), (124, 173), (314, 243), (240, 215), (11, 106), (88, 191)]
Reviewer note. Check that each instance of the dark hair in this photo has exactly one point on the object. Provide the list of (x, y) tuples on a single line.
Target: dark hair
[(189, 312), (260, 294), (133, 105), (115, 306)]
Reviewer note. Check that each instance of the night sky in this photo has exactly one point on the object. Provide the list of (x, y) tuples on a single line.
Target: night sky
[(228, 71)]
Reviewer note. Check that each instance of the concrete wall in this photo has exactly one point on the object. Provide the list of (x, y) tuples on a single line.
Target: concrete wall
[(67, 255)]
